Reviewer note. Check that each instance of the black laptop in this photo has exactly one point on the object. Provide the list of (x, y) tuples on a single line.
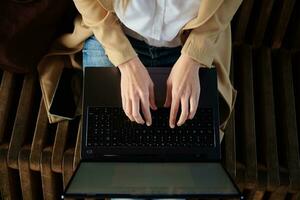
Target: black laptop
[(122, 159)]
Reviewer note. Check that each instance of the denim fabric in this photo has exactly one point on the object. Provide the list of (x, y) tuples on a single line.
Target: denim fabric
[(94, 54)]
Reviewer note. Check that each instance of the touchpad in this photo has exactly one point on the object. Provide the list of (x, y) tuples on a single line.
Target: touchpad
[(163, 179)]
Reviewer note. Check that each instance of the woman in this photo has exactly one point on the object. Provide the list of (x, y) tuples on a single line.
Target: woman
[(163, 23)]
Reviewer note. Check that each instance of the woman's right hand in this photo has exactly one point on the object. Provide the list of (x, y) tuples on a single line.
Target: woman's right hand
[(137, 89)]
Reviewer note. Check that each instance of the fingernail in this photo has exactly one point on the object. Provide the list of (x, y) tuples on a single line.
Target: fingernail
[(172, 125), (179, 124), (148, 124)]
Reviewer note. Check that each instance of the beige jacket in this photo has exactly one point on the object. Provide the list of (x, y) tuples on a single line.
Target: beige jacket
[(206, 38)]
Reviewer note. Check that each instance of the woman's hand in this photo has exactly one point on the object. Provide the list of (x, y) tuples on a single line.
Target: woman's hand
[(183, 87), (137, 87)]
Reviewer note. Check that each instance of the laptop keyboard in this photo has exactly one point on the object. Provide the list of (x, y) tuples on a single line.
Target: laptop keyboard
[(110, 127)]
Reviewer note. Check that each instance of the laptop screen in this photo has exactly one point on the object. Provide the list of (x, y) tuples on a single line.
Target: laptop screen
[(146, 179)]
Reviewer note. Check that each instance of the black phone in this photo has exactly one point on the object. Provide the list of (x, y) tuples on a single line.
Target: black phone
[(68, 94)]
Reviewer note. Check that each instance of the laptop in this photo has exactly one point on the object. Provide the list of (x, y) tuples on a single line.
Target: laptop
[(122, 159)]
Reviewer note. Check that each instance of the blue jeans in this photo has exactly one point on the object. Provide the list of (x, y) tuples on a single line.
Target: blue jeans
[(94, 54)]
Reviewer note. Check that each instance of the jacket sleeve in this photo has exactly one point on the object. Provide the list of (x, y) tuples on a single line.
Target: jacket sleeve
[(107, 29), (200, 44)]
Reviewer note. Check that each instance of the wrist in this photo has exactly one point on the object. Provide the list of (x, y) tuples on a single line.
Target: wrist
[(192, 62), (132, 65)]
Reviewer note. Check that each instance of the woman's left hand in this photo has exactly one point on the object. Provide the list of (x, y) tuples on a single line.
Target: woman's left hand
[(183, 87)]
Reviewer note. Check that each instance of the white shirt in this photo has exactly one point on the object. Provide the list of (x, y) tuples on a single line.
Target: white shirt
[(157, 22)]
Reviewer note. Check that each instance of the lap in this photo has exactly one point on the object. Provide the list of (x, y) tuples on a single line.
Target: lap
[(93, 54)]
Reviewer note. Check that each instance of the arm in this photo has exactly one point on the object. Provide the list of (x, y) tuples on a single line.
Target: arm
[(136, 84), (106, 28), (201, 42), (199, 50)]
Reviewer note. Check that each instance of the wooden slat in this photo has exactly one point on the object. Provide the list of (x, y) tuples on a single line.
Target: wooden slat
[(7, 88), (296, 196), (262, 177), (30, 183), (1, 76), (240, 175), (241, 21), (286, 114), (291, 38), (246, 114), (261, 22), (256, 195), (265, 118), (59, 146), (230, 146), (279, 194), (51, 188), (39, 137), (281, 20), (22, 120), (230, 158), (68, 170), (240, 164), (296, 72), (296, 82), (9, 182)]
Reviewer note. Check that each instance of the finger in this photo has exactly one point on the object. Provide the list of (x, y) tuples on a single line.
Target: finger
[(184, 111), (123, 102), (128, 109), (174, 110), (168, 95), (126, 103), (136, 111), (146, 109), (152, 98), (194, 100)]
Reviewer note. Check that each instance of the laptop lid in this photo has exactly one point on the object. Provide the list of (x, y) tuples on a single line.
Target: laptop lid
[(151, 180), (135, 179)]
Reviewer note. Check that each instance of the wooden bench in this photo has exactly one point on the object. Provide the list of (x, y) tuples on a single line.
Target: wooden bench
[(261, 143)]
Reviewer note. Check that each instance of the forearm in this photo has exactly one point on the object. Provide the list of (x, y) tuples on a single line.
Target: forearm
[(201, 42), (107, 30)]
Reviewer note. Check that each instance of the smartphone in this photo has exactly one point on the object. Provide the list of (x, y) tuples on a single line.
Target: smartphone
[(67, 97)]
